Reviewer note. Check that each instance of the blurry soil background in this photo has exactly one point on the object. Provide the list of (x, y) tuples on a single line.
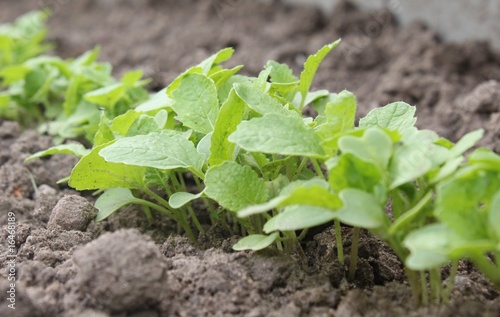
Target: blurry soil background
[(67, 265)]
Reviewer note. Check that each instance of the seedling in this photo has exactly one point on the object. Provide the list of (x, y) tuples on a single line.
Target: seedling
[(242, 145)]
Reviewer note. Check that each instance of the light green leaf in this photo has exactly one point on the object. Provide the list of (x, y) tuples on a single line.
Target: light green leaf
[(112, 200), (223, 75), (313, 192), (466, 142), (494, 215), (429, 246), (179, 199), (350, 171), (231, 114), (361, 210), (75, 149), (395, 116), (299, 217), (196, 103), (277, 134), (460, 202), (159, 150), (159, 101), (217, 58), (339, 115), (234, 186), (107, 96), (255, 242), (310, 67), (374, 146), (281, 73), (261, 102), (93, 172)]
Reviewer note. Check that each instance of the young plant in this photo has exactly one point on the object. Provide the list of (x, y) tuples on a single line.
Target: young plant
[(65, 97)]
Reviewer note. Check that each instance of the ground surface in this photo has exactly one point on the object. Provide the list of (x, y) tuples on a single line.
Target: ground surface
[(71, 266)]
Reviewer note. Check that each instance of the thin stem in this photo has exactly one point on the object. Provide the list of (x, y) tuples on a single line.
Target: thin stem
[(195, 220), (406, 218), (300, 168), (451, 282), (317, 168), (436, 285), (303, 234), (338, 240), (157, 207), (424, 288), (354, 253), (414, 285)]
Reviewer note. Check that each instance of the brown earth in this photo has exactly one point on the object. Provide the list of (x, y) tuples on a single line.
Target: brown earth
[(68, 266)]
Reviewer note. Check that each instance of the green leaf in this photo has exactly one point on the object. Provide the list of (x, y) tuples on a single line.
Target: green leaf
[(196, 103), (395, 116), (351, 172), (261, 102), (466, 142), (234, 186), (159, 150), (281, 73), (361, 210), (179, 199), (231, 114), (217, 58), (461, 202), (313, 192), (93, 172), (159, 101), (487, 158), (223, 75), (255, 242), (429, 246), (310, 67), (112, 200), (494, 215), (374, 146), (107, 96), (277, 134), (75, 149), (340, 114), (299, 217)]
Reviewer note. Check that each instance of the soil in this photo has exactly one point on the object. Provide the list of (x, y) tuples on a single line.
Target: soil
[(68, 265)]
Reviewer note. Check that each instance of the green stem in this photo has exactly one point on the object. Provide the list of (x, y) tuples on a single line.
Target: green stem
[(489, 269), (300, 168), (338, 240), (398, 204), (354, 253), (416, 289), (406, 218), (157, 207), (436, 285), (195, 220), (317, 168), (451, 282), (424, 288), (303, 234)]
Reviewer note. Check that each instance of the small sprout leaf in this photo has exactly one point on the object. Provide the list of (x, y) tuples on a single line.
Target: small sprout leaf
[(112, 200), (71, 149), (361, 210), (179, 199), (235, 186), (255, 242), (299, 217)]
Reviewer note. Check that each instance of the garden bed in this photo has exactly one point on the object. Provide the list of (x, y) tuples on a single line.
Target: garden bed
[(124, 266)]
